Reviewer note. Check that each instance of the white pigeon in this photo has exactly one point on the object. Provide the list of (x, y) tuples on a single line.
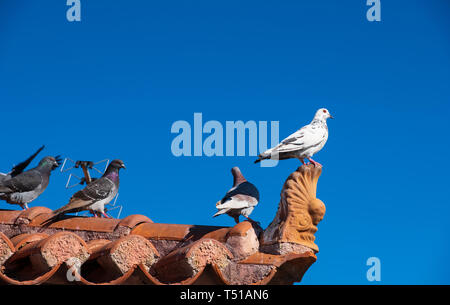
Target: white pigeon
[(303, 143)]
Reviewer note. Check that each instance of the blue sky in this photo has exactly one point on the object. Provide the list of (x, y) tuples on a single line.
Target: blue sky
[(112, 85)]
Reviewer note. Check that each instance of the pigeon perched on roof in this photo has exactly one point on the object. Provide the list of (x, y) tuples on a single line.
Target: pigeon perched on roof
[(241, 199), (25, 187), (303, 143), (96, 194)]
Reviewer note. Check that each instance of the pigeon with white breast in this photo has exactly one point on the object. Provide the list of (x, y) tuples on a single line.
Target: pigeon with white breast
[(303, 143), (241, 199), (96, 194), (23, 187)]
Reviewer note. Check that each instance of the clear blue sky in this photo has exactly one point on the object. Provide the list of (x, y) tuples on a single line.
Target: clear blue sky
[(111, 86)]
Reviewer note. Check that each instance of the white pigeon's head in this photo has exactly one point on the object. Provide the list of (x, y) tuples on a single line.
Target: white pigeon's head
[(323, 114)]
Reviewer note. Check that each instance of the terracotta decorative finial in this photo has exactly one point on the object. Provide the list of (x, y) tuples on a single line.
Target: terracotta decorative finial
[(299, 210)]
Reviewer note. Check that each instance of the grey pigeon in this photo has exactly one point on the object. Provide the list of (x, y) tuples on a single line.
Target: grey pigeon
[(241, 199), (25, 187), (303, 143), (96, 194)]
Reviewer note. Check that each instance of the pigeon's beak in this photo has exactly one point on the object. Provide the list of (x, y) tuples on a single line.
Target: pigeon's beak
[(55, 164), (123, 166), (331, 117)]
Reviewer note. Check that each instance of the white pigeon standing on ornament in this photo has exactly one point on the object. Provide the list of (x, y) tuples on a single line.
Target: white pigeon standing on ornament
[(303, 143)]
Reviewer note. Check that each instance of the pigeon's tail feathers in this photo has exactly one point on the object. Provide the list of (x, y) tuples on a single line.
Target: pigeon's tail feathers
[(74, 205), (55, 216), (258, 160), (58, 211), (265, 155), (62, 210), (261, 157), (275, 156), (19, 168)]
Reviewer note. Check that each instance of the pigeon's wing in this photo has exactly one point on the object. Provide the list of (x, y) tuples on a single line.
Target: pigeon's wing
[(24, 182), (95, 191), (237, 202), (19, 168), (302, 139)]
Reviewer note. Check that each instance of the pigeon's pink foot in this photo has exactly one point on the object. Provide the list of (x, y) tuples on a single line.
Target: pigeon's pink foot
[(105, 215), (302, 160), (316, 164)]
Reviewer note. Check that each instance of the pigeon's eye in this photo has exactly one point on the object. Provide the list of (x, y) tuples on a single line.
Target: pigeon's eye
[(324, 111)]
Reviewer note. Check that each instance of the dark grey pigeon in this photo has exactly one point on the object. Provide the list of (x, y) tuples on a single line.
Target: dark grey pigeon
[(241, 199), (96, 194), (24, 187)]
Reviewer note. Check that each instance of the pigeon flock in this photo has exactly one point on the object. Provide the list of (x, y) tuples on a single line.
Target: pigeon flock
[(22, 187)]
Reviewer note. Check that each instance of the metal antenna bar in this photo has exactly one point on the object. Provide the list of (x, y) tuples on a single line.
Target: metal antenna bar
[(115, 200), (104, 160), (63, 170), (106, 166), (70, 178)]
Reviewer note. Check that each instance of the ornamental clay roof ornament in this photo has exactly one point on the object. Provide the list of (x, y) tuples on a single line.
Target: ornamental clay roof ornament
[(298, 215)]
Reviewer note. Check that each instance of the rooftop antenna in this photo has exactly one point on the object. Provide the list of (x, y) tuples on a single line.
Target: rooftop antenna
[(87, 167)]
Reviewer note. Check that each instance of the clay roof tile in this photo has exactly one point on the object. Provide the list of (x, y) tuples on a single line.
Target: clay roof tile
[(7, 248), (132, 221), (33, 212), (8, 217), (23, 239)]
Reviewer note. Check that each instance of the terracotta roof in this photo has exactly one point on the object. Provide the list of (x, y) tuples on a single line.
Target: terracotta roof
[(134, 250)]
